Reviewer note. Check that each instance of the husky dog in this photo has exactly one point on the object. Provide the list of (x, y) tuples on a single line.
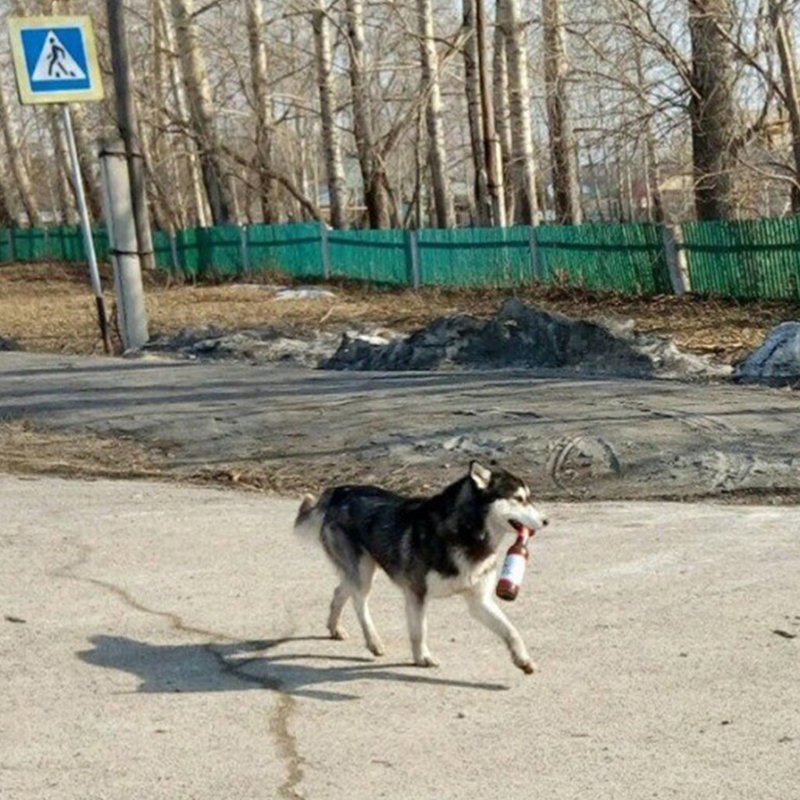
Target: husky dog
[(430, 547)]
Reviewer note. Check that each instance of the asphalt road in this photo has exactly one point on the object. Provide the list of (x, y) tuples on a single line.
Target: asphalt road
[(167, 642), (571, 436)]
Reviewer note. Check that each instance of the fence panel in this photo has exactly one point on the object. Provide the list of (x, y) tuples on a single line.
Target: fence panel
[(6, 251), (475, 256), (625, 258), (31, 244), (749, 259), (162, 251), (220, 250), (294, 249), (375, 256)]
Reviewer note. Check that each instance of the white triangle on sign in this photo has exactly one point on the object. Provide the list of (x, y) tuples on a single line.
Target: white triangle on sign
[(55, 63)]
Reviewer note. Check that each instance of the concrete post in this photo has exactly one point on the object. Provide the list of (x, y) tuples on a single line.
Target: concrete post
[(413, 253), (325, 250), (533, 246), (676, 259), (123, 245), (244, 249)]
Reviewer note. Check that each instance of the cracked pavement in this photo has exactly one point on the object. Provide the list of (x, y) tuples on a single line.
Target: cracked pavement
[(168, 641)]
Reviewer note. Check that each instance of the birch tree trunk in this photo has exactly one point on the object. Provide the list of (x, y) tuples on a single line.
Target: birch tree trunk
[(472, 90), (201, 110), (330, 136), (371, 166), (566, 192), (7, 219), (494, 172), (18, 170), (655, 200), (711, 108), (87, 158), (63, 189), (164, 172), (437, 157), (523, 166), (259, 77), (785, 48), (182, 114), (501, 115)]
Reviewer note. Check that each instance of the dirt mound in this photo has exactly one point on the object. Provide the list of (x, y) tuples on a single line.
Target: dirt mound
[(260, 345), (520, 336), (777, 361)]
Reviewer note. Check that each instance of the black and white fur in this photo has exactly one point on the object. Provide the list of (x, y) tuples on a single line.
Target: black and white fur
[(430, 547)]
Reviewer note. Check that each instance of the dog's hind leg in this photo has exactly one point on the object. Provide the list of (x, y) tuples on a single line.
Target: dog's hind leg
[(360, 593), (340, 597), (485, 610), (418, 630)]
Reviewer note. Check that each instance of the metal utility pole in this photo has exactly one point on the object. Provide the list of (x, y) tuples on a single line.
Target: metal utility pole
[(86, 227), (128, 125)]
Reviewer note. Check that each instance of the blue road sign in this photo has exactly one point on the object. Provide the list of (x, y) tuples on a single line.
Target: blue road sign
[(55, 59)]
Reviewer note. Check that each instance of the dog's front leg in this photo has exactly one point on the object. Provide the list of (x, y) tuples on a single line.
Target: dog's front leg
[(485, 610), (418, 630)]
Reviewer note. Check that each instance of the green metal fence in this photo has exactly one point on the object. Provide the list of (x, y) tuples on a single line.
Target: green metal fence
[(625, 258), (375, 256), (751, 259), (475, 256), (748, 259)]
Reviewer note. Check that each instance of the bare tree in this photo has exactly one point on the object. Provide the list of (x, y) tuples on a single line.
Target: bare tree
[(502, 117), (180, 115), (6, 213), (523, 168), (566, 191), (712, 109), (17, 164), (442, 197), (369, 158), (491, 143), (202, 113), (783, 41), (474, 119), (63, 189), (263, 108), (330, 137)]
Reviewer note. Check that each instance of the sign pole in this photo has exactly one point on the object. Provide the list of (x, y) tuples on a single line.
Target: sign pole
[(86, 227)]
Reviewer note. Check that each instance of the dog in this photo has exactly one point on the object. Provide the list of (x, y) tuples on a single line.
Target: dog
[(428, 546)]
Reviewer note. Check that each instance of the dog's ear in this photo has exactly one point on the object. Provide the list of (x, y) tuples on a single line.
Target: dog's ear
[(481, 476)]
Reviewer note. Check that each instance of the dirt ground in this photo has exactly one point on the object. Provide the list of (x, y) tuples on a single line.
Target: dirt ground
[(49, 308)]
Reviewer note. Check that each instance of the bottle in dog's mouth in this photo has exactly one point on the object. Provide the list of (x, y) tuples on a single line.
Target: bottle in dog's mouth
[(521, 529)]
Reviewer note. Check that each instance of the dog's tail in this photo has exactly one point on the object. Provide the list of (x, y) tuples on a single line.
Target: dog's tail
[(310, 516)]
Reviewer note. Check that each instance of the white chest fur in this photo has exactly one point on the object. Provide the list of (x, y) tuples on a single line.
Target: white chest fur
[(470, 574)]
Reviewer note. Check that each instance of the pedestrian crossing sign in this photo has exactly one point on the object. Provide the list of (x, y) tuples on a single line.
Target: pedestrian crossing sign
[(55, 59)]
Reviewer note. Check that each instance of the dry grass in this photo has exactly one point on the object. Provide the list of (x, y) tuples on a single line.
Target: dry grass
[(27, 449), (50, 308)]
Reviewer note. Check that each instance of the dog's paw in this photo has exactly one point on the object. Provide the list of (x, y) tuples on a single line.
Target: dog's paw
[(340, 634), (528, 667), (426, 661), (376, 648)]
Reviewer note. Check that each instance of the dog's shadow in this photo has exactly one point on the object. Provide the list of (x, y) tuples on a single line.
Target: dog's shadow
[(227, 667)]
